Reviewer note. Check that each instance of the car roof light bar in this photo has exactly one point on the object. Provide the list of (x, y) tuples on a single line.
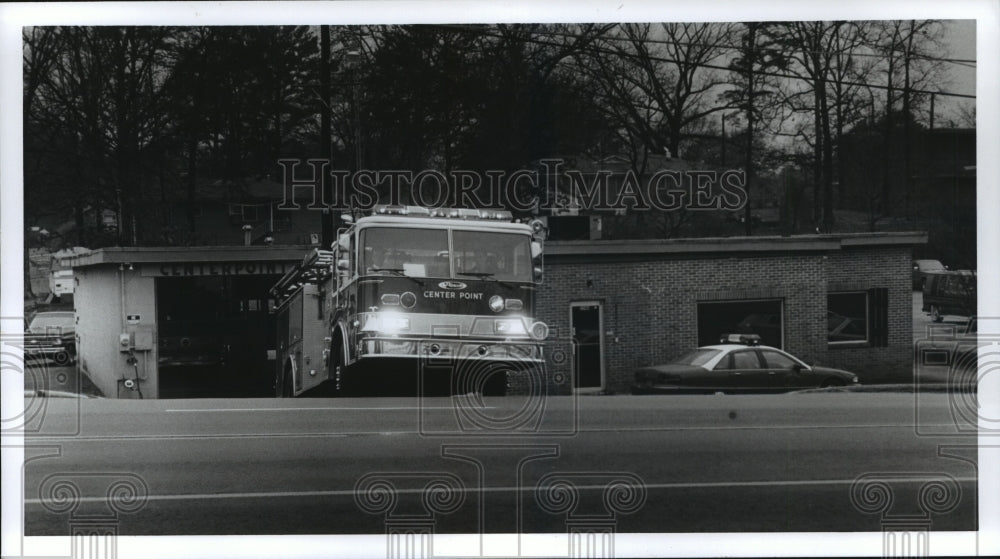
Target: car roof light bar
[(745, 339)]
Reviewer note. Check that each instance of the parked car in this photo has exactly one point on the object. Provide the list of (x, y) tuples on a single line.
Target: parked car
[(737, 367), (51, 335), (923, 267), (951, 356), (950, 292)]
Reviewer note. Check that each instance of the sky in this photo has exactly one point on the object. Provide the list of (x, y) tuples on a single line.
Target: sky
[(960, 41)]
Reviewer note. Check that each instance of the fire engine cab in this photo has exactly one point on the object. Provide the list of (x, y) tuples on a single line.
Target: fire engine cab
[(410, 292)]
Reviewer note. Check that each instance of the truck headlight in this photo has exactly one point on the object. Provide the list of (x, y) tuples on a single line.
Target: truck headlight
[(387, 322), (539, 330), (395, 323), (513, 304), (398, 348), (496, 303), (509, 326)]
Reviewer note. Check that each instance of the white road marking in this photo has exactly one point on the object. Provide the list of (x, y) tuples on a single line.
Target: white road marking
[(507, 489), (948, 431), (395, 408)]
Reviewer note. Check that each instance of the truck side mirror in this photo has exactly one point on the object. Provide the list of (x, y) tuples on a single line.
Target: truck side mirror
[(344, 241), (343, 265), (536, 249), (537, 272)]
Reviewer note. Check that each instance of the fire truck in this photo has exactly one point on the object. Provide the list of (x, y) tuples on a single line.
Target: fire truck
[(416, 291)]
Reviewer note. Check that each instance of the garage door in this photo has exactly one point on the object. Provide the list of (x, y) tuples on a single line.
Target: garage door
[(763, 317)]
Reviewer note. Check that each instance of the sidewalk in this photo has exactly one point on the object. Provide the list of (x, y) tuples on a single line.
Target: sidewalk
[(44, 375)]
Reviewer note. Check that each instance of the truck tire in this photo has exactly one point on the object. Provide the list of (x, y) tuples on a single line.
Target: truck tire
[(496, 383), (283, 386), (340, 384)]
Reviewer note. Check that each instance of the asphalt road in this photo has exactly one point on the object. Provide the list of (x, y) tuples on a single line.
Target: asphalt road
[(639, 463)]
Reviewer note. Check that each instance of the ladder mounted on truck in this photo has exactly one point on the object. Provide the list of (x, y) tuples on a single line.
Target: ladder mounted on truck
[(315, 268)]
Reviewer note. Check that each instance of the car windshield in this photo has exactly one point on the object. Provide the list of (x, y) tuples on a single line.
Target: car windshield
[(51, 321), (697, 357)]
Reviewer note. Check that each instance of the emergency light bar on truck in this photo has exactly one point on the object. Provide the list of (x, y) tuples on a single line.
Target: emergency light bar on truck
[(451, 213)]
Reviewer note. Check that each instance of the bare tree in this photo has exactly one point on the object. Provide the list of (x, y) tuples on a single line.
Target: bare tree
[(658, 80), (823, 55), (910, 49), (757, 92), (967, 115)]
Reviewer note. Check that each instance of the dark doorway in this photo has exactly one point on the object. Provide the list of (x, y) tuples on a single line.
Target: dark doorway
[(761, 317), (588, 362), (215, 336)]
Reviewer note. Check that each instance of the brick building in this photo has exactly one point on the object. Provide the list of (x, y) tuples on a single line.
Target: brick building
[(157, 315), (838, 300)]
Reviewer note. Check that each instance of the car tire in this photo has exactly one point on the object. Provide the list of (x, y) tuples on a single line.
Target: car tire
[(936, 315), (62, 358)]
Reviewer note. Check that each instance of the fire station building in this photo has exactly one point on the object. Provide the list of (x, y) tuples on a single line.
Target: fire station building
[(161, 322), (196, 321)]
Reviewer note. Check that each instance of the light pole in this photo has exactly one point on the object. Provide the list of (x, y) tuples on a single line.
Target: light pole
[(352, 59)]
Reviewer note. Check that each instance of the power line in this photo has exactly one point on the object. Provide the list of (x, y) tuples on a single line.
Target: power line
[(705, 65), (970, 63)]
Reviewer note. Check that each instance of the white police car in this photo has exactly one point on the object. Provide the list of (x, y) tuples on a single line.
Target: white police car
[(738, 364)]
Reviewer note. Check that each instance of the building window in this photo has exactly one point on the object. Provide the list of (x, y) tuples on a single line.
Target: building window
[(857, 318), (247, 213), (761, 317)]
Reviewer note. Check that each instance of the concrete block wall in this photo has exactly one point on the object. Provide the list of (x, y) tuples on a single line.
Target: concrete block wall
[(100, 322)]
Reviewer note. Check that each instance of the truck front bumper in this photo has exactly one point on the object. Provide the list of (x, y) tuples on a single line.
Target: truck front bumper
[(526, 351)]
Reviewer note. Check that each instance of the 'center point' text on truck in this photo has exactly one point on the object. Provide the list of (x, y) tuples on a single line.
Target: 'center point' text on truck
[(409, 292)]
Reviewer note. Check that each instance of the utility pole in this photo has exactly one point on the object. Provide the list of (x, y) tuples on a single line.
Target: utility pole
[(724, 139), (752, 41), (932, 112), (328, 227)]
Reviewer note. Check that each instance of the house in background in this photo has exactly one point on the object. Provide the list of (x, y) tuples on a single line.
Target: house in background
[(575, 211), (250, 211), (944, 186)]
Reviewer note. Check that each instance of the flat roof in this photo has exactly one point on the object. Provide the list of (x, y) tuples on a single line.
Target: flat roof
[(136, 255), (709, 245)]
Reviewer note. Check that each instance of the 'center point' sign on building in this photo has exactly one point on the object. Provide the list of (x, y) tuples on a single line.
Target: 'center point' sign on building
[(215, 269)]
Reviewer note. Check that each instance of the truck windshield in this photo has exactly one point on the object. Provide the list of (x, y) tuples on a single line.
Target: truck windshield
[(500, 256), (424, 253), (416, 253)]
